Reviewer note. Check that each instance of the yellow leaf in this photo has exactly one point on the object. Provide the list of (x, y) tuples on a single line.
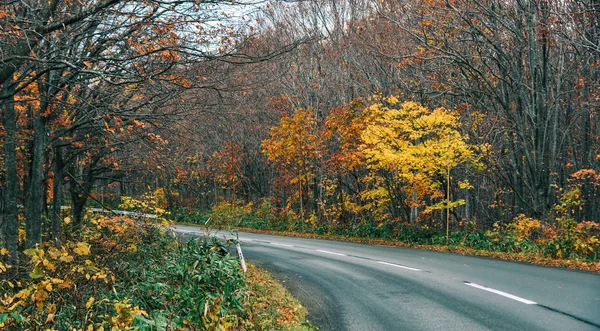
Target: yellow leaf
[(49, 265), (90, 302), (53, 253), (67, 220), (82, 249), (65, 284), (465, 184), (66, 258), (392, 100)]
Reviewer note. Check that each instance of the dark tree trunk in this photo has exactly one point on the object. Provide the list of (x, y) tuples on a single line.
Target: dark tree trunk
[(35, 197), (81, 186), (78, 207), (10, 217)]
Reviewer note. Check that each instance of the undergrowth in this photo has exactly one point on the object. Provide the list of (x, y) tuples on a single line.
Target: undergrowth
[(120, 273), (561, 238), (125, 274)]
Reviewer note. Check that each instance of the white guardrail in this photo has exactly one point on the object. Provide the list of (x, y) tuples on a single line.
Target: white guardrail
[(122, 212)]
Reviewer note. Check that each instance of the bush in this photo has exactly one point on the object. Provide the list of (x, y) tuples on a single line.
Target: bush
[(122, 274), (184, 215)]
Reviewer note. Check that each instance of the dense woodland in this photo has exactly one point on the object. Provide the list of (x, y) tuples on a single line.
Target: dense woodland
[(333, 111)]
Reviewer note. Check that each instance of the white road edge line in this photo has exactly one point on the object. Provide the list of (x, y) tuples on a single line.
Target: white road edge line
[(328, 252), (399, 266), (278, 244), (504, 294)]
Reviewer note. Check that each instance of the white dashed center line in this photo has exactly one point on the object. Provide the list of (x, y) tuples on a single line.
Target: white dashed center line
[(328, 252), (504, 294), (399, 266), (278, 244)]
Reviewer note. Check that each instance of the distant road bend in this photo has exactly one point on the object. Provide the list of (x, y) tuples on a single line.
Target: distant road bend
[(350, 286)]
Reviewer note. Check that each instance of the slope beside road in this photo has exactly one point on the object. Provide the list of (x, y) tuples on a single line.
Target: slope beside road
[(349, 286)]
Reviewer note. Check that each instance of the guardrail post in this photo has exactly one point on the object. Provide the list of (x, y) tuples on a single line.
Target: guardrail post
[(238, 248)]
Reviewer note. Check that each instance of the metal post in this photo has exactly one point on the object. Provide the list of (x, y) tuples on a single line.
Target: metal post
[(238, 248), (242, 260)]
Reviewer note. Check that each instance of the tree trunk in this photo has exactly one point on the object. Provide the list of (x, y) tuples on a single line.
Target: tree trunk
[(78, 208), (57, 197), (35, 197), (10, 217), (79, 196)]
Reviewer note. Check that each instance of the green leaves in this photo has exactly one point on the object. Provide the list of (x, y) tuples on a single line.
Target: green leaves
[(37, 272), (191, 283)]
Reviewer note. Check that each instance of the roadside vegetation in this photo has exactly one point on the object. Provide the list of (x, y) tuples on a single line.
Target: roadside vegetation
[(122, 273), (272, 307), (562, 242)]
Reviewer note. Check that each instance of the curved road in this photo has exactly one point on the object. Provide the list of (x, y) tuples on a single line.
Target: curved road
[(349, 286)]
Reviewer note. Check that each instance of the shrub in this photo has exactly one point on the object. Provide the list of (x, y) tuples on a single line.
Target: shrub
[(123, 274)]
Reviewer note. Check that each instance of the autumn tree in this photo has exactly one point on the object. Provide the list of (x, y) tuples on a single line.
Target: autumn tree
[(411, 151), (104, 72), (296, 147)]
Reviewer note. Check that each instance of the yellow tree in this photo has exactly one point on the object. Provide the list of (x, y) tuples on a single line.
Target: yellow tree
[(419, 146), (296, 147)]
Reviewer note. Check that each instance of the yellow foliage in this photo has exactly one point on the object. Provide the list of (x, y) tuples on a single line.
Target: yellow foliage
[(82, 249), (3, 267), (296, 146), (416, 147), (392, 100), (89, 302), (465, 184), (150, 203), (58, 275), (126, 313), (415, 139), (21, 235), (132, 248), (523, 227)]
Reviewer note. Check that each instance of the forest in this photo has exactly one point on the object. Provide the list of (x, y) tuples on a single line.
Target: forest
[(426, 121)]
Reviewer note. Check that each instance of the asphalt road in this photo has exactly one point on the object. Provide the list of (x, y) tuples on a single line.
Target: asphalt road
[(349, 286)]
